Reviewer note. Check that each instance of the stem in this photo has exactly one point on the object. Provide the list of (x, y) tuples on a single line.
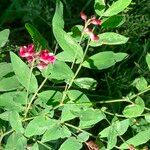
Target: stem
[(76, 73), (43, 144), (33, 97), (77, 128), (4, 134), (32, 66)]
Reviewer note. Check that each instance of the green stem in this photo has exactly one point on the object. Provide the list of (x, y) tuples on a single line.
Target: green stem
[(30, 76), (33, 97), (4, 134), (49, 148), (78, 129)]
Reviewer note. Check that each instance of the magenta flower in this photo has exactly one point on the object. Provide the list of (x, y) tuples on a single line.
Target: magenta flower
[(83, 16), (47, 57), (41, 59), (41, 65), (88, 22), (26, 51), (96, 21), (93, 36)]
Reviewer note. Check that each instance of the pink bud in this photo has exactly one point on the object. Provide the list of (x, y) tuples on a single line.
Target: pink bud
[(47, 57), (94, 37), (96, 22), (83, 16), (41, 65)]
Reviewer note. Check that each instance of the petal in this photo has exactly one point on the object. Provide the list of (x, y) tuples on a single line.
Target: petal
[(83, 16), (41, 65)]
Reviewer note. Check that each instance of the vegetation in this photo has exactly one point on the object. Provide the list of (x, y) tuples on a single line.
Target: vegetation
[(74, 75)]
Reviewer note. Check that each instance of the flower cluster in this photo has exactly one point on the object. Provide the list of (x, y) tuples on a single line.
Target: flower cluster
[(88, 22), (42, 58)]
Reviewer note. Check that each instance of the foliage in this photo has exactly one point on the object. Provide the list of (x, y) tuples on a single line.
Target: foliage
[(65, 104)]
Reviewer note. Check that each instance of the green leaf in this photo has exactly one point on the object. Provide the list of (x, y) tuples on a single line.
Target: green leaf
[(78, 97), (134, 110), (55, 132), (5, 116), (66, 42), (71, 143), (140, 83), (68, 111), (20, 97), (22, 72), (8, 84), (61, 71), (36, 36), (113, 21), (147, 117), (5, 68), (119, 126), (109, 38), (6, 101), (83, 137), (139, 139), (89, 117), (112, 137), (15, 122), (16, 141), (4, 34), (103, 60), (117, 7), (50, 96), (35, 147), (148, 60), (86, 83), (38, 126), (99, 7)]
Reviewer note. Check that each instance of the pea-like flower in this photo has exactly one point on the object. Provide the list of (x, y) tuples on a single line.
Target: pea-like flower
[(41, 59)]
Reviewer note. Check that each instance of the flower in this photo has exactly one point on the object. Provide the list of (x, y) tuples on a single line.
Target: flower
[(26, 51), (88, 22), (41, 65), (93, 36), (41, 59), (83, 16), (47, 57), (96, 21)]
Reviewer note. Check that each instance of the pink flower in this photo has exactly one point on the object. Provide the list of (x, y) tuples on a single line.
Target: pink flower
[(29, 59), (94, 37), (41, 65), (47, 57), (26, 51), (83, 16), (96, 21)]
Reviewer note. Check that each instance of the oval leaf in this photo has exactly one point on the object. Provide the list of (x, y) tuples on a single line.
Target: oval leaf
[(4, 37), (117, 7), (103, 60), (109, 38), (15, 122), (137, 140), (134, 110), (66, 42), (8, 84), (86, 83), (22, 72)]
